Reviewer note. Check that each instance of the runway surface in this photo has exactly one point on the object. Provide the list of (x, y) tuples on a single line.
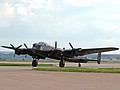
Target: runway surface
[(24, 78)]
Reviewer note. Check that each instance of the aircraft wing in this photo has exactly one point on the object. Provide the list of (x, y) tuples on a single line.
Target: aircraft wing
[(97, 50), (81, 52), (18, 50), (7, 47)]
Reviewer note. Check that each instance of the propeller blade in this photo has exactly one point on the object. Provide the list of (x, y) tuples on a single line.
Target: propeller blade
[(25, 46), (19, 47), (71, 45), (12, 46), (55, 44)]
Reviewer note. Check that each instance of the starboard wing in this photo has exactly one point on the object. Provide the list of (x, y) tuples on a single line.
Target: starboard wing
[(96, 50), (81, 52)]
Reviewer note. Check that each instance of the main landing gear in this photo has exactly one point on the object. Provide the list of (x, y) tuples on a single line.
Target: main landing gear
[(34, 63), (62, 63)]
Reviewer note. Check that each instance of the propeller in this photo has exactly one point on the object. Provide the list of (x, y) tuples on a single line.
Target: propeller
[(15, 48), (12, 46), (19, 47), (25, 46), (71, 46), (27, 52), (73, 49)]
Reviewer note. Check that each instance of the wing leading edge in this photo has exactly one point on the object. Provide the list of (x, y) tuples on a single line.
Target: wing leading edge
[(96, 50)]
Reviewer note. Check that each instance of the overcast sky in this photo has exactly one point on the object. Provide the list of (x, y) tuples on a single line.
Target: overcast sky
[(84, 23)]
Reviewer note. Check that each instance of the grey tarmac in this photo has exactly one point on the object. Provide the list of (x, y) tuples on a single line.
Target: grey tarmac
[(24, 78)]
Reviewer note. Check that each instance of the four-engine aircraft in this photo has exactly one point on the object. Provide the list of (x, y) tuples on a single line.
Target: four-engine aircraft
[(42, 50)]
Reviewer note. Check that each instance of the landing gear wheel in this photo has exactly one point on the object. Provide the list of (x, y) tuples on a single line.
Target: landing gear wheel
[(99, 61), (61, 63), (79, 65), (34, 63)]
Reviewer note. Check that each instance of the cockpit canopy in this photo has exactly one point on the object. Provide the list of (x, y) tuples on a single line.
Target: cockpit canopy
[(42, 46)]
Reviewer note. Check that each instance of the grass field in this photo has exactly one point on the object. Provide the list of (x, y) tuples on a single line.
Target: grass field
[(100, 70)]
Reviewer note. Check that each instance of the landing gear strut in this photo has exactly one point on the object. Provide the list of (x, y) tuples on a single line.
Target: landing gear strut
[(34, 63)]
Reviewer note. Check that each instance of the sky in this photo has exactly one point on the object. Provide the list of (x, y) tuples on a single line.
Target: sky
[(84, 23)]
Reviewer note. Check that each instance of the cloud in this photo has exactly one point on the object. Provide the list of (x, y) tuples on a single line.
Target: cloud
[(6, 14), (82, 22), (106, 18), (80, 3), (37, 4), (22, 11), (30, 9), (91, 3)]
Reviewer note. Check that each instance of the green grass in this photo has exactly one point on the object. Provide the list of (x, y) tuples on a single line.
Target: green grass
[(11, 64), (15, 60), (100, 70)]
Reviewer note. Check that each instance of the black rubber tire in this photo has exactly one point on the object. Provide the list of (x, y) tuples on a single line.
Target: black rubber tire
[(34, 63), (99, 61), (61, 64)]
